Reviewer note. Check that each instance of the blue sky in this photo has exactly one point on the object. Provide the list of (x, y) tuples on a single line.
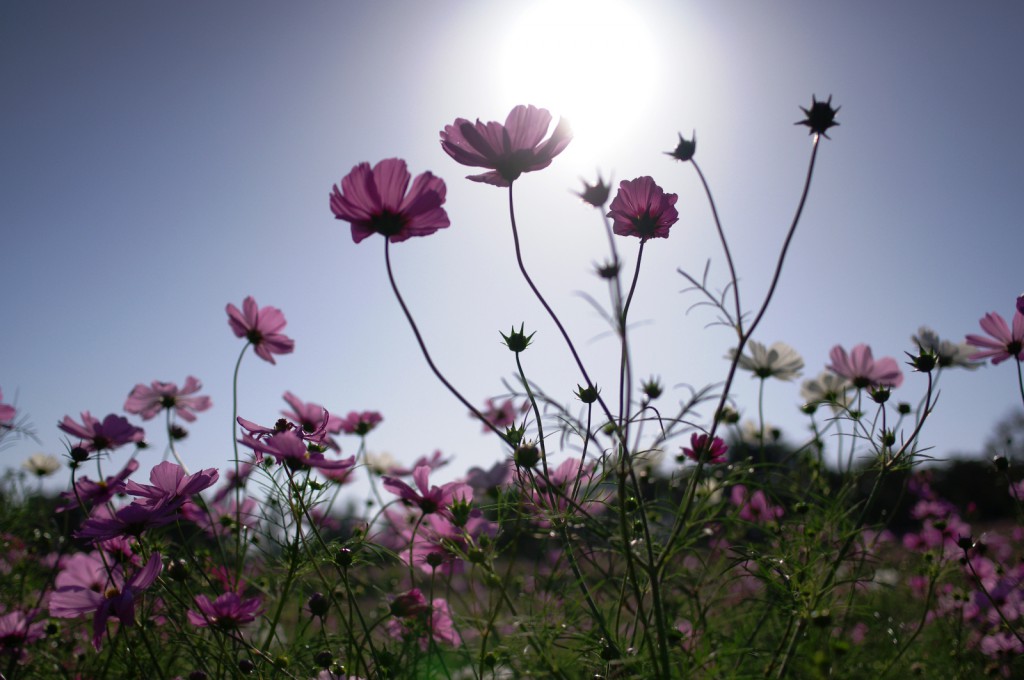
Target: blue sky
[(163, 159)]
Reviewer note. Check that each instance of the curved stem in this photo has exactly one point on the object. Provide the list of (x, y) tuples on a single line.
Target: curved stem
[(423, 347), (547, 307), (725, 247)]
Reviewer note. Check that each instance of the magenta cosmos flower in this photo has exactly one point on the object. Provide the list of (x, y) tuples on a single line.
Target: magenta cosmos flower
[(427, 498), (261, 326), (171, 487), (227, 612), (379, 201), (641, 208), (113, 432), (860, 368), (360, 423), (149, 401), (714, 454), (7, 412), (508, 150), (1003, 343), (117, 598)]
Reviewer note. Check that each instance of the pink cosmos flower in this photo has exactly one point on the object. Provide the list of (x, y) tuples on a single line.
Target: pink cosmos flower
[(131, 520), (115, 598), (313, 417), (641, 208), (426, 497), (227, 612), (1004, 343), (94, 494), (860, 367), (171, 487), (715, 453), (360, 423), (261, 326), (508, 150), (113, 432), (289, 449), (7, 413), (754, 507), (433, 461), (502, 415), (18, 630), (148, 401), (218, 518), (379, 201), (413, 616)]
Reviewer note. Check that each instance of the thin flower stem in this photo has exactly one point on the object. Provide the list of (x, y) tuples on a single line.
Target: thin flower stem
[(725, 247), (547, 307), (540, 425), (1020, 378), (170, 444), (682, 517), (239, 485), (423, 347), (786, 243)]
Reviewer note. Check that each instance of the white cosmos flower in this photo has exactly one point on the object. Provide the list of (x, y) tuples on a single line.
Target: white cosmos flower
[(42, 464), (827, 388), (950, 354), (778, 361)]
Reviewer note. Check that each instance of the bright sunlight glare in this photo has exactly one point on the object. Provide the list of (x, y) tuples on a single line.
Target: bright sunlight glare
[(591, 61)]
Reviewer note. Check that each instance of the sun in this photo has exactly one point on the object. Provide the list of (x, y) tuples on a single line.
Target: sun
[(591, 61)]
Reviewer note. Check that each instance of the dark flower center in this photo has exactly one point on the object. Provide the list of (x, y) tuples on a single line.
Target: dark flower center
[(388, 223), (254, 336), (645, 224), (167, 401), (1014, 347)]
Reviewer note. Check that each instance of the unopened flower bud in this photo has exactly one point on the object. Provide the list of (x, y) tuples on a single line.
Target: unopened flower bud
[(597, 194), (1001, 463), (820, 117), (652, 388), (318, 605), (923, 362), (685, 149), (588, 394), (880, 394), (517, 341)]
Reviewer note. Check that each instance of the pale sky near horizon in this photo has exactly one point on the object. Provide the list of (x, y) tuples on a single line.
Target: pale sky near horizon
[(161, 160)]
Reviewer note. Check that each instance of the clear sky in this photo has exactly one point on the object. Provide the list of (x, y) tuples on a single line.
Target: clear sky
[(160, 160)]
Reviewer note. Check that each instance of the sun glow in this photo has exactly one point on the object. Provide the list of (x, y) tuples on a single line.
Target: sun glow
[(592, 61)]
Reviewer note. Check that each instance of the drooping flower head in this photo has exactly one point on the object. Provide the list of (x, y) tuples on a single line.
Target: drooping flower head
[(1003, 342), (262, 327), (147, 401), (379, 201), (641, 208), (860, 367), (114, 431), (778, 361), (508, 150)]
